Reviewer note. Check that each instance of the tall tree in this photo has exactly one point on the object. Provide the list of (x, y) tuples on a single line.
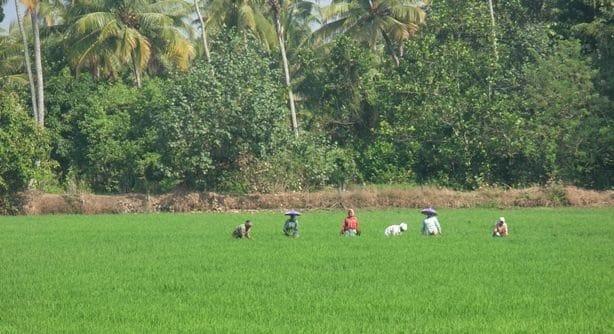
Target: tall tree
[(203, 30), (26, 52), (296, 18), (134, 32), (276, 8), (32, 9), (392, 21), (247, 16), (494, 40)]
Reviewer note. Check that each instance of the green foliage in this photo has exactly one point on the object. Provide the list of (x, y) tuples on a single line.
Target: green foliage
[(307, 163), (564, 105), (11, 63), (101, 134), (217, 113), (24, 150), (596, 38), (461, 118), (384, 22), (442, 114), (453, 113), (388, 160), (347, 94), (134, 36)]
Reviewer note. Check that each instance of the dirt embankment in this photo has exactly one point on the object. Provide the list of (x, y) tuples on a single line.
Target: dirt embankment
[(34, 203)]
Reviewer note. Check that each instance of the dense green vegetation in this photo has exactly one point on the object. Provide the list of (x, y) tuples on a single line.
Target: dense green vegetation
[(144, 96), (160, 273)]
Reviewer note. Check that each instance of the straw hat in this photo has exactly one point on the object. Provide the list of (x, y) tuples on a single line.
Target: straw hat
[(429, 212)]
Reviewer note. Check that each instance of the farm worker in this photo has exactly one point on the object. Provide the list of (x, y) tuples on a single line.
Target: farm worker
[(291, 225), (430, 224), (350, 225), (395, 229), (500, 229), (243, 230)]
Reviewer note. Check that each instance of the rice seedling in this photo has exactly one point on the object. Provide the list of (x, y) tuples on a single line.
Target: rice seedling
[(161, 273)]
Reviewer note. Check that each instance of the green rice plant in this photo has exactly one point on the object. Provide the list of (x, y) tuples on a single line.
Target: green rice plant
[(169, 273)]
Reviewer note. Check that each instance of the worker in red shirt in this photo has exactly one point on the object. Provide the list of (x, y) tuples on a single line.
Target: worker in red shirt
[(350, 225)]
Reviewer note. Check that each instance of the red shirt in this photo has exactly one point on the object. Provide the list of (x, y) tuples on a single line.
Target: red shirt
[(350, 223)]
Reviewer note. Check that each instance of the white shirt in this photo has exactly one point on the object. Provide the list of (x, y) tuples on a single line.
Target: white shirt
[(430, 225), (395, 229)]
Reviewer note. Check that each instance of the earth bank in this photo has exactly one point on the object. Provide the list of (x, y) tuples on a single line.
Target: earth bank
[(37, 203)]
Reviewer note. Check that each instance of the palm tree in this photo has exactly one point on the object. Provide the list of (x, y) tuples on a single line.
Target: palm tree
[(279, 29), (117, 32), (292, 20), (32, 8), (203, 30), (494, 41), (248, 16), (39, 105), (52, 12), (245, 16), (11, 62), (26, 51), (393, 20)]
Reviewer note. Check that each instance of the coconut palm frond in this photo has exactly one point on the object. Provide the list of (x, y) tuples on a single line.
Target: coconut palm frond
[(92, 22), (334, 11), (266, 32), (154, 21), (111, 34), (328, 31), (375, 22), (180, 54)]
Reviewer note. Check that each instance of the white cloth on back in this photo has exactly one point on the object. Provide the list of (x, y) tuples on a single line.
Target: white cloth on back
[(395, 229)]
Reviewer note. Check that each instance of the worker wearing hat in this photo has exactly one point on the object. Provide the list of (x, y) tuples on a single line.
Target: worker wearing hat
[(290, 228), (430, 224)]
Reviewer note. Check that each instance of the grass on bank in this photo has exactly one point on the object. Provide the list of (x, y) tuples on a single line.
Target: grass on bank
[(161, 273)]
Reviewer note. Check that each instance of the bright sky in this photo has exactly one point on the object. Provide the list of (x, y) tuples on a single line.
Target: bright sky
[(9, 12)]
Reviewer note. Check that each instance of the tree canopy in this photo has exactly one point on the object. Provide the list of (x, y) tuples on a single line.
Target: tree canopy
[(458, 93)]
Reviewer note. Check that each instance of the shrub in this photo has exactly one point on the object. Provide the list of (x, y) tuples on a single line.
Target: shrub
[(24, 152)]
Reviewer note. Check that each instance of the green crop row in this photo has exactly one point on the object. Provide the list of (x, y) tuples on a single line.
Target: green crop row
[(184, 273)]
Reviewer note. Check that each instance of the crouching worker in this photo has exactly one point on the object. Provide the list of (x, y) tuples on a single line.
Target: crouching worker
[(350, 226), (243, 230), (393, 230), (290, 228), (500, 229), (430, 224)]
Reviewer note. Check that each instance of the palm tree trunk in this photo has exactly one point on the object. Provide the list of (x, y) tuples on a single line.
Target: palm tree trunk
[(284, 57), (26, 53), (204, 32), (494, 43), (137, 73), (494, 34), (38, 63)]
